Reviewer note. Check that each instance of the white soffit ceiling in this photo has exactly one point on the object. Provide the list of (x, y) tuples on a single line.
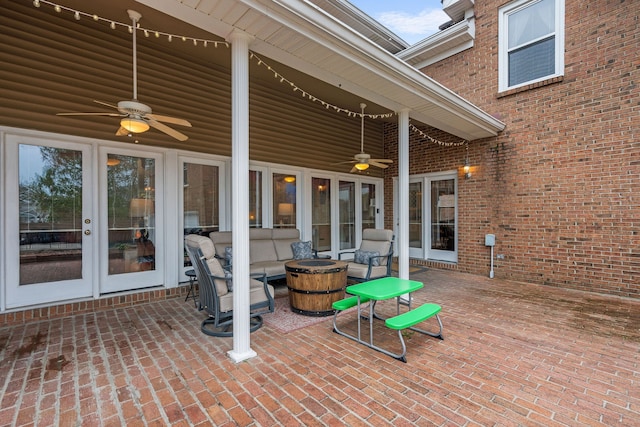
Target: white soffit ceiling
[(301, 35)]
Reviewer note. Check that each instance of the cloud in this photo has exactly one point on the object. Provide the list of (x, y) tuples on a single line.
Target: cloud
[(413, 27)]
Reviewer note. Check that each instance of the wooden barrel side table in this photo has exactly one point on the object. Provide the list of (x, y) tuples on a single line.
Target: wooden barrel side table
[(315, 284)]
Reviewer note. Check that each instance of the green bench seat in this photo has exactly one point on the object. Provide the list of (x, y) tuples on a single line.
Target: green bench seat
[(413, 317), (400, 322), (347, 303)]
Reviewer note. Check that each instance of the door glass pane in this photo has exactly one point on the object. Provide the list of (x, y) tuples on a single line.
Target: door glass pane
[(443, 209), (50, 206), (415, 215), (255, 199), (131, 214), (368, 206), (284, 200), (201, 197), (321, 214), (347, 214)]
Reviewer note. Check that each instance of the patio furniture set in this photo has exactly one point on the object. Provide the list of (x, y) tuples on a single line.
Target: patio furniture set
[(316, 285)]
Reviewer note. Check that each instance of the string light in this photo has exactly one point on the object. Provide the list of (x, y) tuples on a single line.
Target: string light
[(78, 14), (313, 98), (435, 141)]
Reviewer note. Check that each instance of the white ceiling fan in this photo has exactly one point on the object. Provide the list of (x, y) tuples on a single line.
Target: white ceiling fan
[(363, 160), (137, 117)]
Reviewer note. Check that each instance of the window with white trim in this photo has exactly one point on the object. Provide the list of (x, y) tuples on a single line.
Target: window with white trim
[(531, 42)]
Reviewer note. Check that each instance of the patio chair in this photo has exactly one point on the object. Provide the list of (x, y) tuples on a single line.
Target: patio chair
[(373, 259), (216, 290)]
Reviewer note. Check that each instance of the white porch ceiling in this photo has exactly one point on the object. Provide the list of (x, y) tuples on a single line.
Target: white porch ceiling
[(302, 36)]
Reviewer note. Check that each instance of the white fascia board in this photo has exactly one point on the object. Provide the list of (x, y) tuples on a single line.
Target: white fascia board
[(456, 9), (366, 21), (443, 55), (441, 45)]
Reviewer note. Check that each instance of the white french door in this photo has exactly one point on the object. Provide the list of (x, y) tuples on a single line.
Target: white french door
[(359, 208), (50, 224), (131, 218), (432, 216)]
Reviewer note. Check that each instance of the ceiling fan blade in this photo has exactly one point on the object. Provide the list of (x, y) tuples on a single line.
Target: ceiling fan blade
[(106, 104), (168, 119), (353, 169), (166, 129), (90, 114), (122, 132), (382, 160), (380, 165)]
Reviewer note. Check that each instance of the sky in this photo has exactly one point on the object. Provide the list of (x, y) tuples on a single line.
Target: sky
[(412, 20)]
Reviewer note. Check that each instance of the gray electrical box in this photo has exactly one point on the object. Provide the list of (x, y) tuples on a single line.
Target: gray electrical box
[(490, 240)]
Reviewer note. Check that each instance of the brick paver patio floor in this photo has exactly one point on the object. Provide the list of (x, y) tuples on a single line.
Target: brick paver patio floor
[(514, 355)]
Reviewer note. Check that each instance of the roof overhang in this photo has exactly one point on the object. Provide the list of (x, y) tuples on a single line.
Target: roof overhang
[(441, 45), (301, 35)]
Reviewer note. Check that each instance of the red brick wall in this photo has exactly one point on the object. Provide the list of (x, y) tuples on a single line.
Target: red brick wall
[(560, 186)]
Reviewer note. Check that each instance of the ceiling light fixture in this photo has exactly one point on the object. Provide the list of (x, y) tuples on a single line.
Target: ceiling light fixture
[(362, 166), (134, 125)]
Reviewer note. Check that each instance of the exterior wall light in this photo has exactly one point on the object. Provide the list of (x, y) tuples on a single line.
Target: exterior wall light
[(467, 169), (467, 165)]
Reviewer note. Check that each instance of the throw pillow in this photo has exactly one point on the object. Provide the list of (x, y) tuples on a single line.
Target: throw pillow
[(362, 257), (229, 277), (302, 250), (228, 255)]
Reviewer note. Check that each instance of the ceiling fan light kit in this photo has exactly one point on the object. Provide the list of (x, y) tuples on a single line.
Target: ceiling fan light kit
[(134, 125), (362, 160), (137, 117)]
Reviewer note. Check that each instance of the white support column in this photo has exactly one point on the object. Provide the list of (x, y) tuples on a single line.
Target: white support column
[(403, 194), (240, 202)]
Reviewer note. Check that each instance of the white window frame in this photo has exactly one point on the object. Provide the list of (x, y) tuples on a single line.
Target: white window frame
[(503, 42)]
